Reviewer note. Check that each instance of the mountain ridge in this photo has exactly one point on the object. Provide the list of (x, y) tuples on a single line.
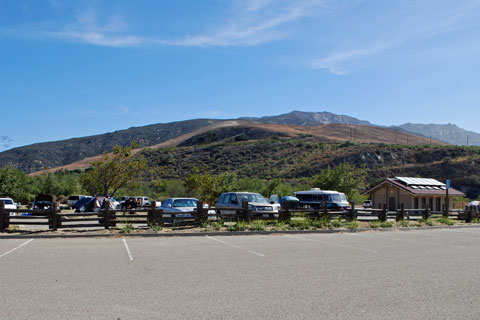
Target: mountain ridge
[(55, 154)]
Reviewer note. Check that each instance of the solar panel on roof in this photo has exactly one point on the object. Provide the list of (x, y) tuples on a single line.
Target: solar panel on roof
[(420, 181)]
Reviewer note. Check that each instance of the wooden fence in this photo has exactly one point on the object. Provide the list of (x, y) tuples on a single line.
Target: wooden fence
[(152, 216)]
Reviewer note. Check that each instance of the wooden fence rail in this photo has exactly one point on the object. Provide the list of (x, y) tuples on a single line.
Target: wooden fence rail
[(55, 219)]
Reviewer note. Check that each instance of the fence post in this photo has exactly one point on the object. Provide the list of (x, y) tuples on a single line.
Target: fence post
[(401, 214), (151, 219), (3, 218), (285, 214), (53, 216), (383, 214), (469, 214), (426, 213), (325, 210), (201, 213), (353, 213), (59, 218), (447, 209), (246, 211), (106, 221)]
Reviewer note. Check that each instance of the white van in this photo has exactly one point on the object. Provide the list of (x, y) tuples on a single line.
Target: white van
[(315, 197)]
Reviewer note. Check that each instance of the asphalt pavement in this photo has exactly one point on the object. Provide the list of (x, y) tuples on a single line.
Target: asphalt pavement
[(421, 274)]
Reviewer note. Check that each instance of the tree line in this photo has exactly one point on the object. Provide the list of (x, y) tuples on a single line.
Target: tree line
[(121, 172)]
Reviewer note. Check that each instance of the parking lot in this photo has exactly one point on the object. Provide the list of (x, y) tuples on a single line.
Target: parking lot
[(427, 274)]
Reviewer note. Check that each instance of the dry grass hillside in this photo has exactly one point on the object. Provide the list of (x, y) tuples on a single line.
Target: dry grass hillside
[(335, 133)]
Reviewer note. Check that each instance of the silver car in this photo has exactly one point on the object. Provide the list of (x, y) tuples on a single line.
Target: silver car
[(234, 200)]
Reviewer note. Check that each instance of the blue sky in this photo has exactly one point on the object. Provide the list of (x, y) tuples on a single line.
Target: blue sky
[(77, 68)]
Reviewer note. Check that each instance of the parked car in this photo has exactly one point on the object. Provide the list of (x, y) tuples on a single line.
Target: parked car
[(8, 204), (234, 200), (179, 205), (187, 205), (73, 199), (82, 204), (367, 204), (43, 202)]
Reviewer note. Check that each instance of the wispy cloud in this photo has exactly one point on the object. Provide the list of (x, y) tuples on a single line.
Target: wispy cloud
[(246, 23), (338, 63), (87, 28), (259, 21)]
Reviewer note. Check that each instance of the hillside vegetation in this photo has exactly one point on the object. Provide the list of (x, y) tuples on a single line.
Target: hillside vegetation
[(299, 158), (54, 154)]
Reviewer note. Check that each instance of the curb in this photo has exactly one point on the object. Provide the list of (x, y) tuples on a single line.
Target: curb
[(225, 233)]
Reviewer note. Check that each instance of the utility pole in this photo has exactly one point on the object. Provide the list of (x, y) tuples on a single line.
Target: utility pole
[(467, 141)]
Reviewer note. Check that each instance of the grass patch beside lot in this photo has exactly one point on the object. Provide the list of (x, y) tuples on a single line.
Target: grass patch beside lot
[(447, 221)]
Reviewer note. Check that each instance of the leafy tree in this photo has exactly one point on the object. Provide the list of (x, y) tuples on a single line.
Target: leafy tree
[(343, 178), (250, 184), (59, 183), (207, 186), (168, 188), (16, 184), (116, 170)]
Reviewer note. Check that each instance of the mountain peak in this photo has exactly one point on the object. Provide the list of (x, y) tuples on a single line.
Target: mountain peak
[(302, 118)]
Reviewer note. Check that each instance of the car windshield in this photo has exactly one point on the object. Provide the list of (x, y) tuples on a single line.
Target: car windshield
[(337, 197), (185, 203), (251, 197), (6, 201)]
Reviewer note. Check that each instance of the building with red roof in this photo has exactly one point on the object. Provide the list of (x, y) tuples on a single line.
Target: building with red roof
[(413, 193)]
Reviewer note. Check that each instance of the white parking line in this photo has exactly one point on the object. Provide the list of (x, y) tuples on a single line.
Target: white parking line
[(408, 240), (332, 243), (128, 250), (16, 248), (461, 231), (235, 246)]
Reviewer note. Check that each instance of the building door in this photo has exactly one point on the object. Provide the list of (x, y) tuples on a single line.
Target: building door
[(392, 204)]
